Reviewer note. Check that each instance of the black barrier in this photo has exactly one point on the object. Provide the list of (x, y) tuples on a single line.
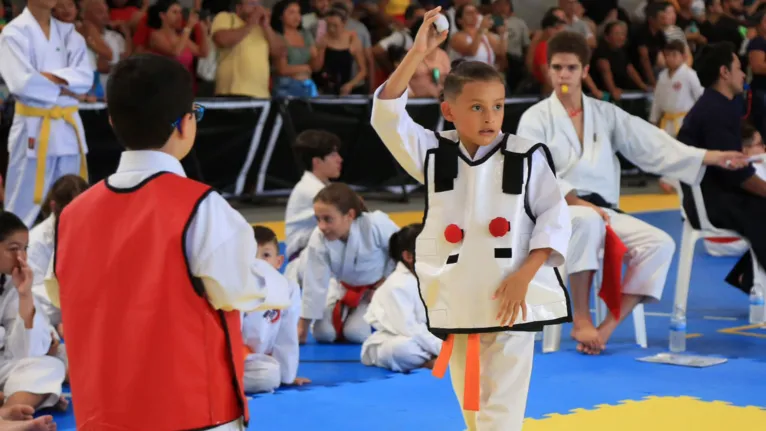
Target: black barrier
[(243, 145)]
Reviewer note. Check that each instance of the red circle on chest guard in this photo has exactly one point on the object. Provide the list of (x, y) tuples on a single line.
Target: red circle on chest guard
[(499, 226), (453, 234)]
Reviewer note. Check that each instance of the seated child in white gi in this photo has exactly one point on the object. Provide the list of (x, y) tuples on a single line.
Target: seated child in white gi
[(496, 228), (401, 341), (317, 153), (30, 373), (351, 245), (42, 237), (271, 337)]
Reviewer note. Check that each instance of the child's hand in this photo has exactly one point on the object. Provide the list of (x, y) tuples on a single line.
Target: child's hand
[(427, 39), (512, 294), (300, 381), (54, 348), (22, 277)]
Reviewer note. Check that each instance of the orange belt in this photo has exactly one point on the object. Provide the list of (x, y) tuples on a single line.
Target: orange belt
[(351, 299), (472, 368)]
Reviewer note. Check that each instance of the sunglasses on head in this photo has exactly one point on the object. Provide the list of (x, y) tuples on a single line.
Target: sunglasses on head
[(197, 110)]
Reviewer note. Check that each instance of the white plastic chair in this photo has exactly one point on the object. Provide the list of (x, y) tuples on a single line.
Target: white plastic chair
[(552, 334), (689, 239)]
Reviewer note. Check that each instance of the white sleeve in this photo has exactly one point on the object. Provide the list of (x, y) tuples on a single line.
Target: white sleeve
[(21, 342), (653, 150), (79, 72), (22, 79), (399, 318), (656, 111), (553, 227), (695, 86), (286, 348), (532, 126), (315, 278), (384, 228), (222, 250), (393, 39), (407, 141)]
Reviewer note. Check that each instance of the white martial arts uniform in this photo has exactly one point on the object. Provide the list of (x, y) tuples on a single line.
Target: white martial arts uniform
[(299, 219), (362, 260), (272, 336), (509, 181), (401, 341), (592, 170), (26, 53), (24, 362), (674, 97), (39, 254), (220, 248)]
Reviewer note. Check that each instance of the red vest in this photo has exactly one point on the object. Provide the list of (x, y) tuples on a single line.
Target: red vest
[(146, 349)]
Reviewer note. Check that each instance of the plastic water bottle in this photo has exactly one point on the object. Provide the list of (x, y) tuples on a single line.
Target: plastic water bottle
[(678, 331), (757, 307)]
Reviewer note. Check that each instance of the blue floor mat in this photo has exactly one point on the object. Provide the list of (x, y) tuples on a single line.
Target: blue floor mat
[(343, 389)]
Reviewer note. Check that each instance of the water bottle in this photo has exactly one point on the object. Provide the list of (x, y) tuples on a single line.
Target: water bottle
[(757, 307), (678, 331)]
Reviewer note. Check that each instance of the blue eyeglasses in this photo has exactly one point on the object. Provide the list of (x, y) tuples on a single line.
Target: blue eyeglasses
[(197, 110)]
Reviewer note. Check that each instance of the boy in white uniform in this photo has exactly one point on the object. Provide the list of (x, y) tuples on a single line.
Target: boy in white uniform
[(584, 136), (45, 65), (271, 336), (494, 217)]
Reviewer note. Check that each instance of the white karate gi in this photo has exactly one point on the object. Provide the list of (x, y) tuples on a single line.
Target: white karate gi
[(39, 254), (219, 244), (299, 219), (25, 54), (272, 335), (24, 362), (593, 168), (457, 281), (674, 97), (401, 341), (362, 260)]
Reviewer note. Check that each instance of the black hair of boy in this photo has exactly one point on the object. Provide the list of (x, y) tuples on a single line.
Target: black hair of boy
[(147, 94), (314, 143), (569, 42), (675, 45), (264, 235), (711, 60)]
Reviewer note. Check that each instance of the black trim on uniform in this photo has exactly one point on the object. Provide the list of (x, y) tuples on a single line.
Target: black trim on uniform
[(452, 259), (137, 186), (599, 201), (503, 253)]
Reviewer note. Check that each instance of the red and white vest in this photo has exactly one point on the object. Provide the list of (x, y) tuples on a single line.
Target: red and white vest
[(146, 349)]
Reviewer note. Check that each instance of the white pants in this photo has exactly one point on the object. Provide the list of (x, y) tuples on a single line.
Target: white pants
[(262, 373), (650, 249), (20, 184), (506, 367), (355, 329), (394, 352), (36, 375)]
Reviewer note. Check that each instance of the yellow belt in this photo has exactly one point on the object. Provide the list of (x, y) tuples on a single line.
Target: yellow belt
[(47, 114), (674, 117)]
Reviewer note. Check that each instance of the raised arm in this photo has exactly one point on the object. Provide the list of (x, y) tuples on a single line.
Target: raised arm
[(407, 141)]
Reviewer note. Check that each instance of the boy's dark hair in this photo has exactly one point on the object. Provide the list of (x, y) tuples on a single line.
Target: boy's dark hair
[(550, 20), (748, 133), (675, 45), (147, 94), (711, 59), (569, 42), (463, 72), (654, 9), (264, 235), (63, 192), (314, 143)]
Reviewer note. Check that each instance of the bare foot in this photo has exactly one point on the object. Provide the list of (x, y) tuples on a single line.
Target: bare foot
[(44, 423), (606, 328), (588, 337), (17, 412)]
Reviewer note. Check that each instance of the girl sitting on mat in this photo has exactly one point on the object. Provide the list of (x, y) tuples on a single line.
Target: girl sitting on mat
[(351, 245), (401, 342)]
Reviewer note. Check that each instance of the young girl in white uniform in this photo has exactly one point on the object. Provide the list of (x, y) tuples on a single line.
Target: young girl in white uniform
[(401, 341), (30, 373), (271, 336), (349, 244), (42, 236), (496, 227)]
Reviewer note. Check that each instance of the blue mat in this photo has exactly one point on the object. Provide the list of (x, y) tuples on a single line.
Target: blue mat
[(343, 389)]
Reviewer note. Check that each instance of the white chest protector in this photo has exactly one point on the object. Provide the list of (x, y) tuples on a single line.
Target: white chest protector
[(477, 227)]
